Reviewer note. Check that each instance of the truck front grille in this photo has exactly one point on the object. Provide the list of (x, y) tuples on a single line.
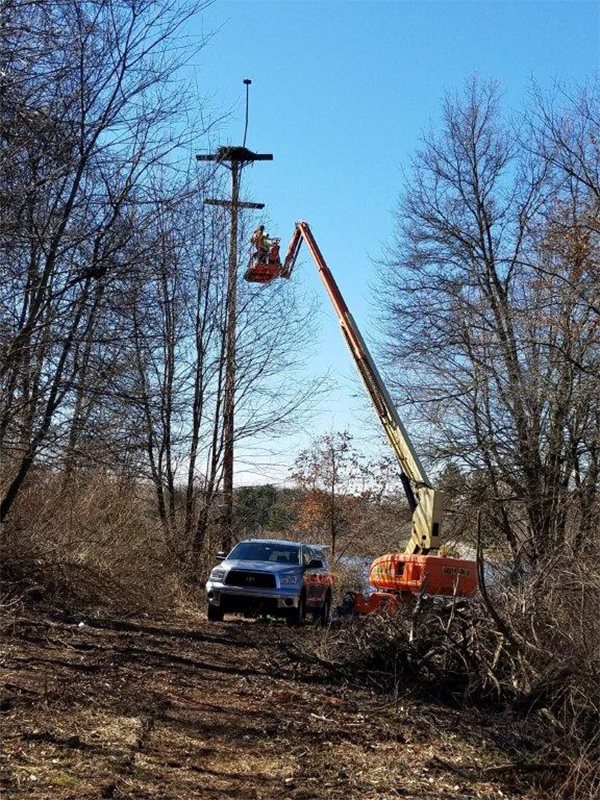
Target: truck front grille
[(250, 579)]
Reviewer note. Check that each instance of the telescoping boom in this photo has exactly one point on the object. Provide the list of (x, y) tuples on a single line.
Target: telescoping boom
[(424, 501), (422, 565)]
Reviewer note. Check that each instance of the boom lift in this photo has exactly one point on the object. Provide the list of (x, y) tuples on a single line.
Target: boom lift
[(423, 566)]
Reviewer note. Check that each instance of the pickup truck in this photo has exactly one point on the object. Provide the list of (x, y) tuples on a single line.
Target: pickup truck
[(271, 577)]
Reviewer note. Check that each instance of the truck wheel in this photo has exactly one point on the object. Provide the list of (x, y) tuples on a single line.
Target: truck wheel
[(214, 613), (296, 617), (323, 616)]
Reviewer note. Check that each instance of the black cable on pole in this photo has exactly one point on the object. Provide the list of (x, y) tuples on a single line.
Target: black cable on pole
[(247, 82)]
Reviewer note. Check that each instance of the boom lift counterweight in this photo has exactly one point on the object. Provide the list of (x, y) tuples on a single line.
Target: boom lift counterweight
[(422, 565)]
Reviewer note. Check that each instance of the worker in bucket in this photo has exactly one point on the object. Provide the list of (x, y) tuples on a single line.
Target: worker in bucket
[(274, 252), (266, 247), (260, 242)]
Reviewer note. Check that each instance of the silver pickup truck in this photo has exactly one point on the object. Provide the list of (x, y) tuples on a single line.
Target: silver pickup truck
[(271, 577)]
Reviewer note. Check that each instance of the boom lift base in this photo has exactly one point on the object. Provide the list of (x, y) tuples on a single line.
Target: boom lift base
[(398, 577), (435, 574)]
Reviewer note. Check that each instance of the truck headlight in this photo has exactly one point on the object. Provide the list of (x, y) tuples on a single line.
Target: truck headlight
[(217, 575), (289, 579)]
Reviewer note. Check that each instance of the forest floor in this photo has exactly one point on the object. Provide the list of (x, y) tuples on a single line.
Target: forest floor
[(97, 708)]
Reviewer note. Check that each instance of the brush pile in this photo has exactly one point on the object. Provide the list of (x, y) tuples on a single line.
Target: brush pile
[(528, 651)]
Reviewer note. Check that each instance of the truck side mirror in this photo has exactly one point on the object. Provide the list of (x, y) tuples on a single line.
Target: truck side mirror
[(221, 555)]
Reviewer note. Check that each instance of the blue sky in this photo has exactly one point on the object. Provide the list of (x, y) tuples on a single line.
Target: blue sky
[(341, 92)]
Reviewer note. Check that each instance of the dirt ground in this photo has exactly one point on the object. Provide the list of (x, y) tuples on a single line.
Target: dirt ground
[(125, 709)]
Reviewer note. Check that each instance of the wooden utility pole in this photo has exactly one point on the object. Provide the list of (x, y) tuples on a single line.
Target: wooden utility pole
[(235, 158), (230, 364)]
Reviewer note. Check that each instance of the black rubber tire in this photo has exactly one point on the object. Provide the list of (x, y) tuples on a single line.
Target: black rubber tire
[(214, 613), (323, 616), (347, 606), (296, 617)]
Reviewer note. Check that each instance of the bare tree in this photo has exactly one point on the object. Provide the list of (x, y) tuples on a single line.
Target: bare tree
[(486, 317), (83, 117), (328, 471), (175, 312)]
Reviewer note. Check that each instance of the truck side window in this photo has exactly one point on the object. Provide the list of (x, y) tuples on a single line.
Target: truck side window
[(317, 558)]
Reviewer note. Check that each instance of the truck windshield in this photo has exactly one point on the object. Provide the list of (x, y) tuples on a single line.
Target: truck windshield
[(266, 552)]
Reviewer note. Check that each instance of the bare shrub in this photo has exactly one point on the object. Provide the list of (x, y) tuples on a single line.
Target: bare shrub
[(95, 545)]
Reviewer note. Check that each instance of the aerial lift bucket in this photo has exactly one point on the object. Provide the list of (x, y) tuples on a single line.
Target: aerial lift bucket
[(262, 272)]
